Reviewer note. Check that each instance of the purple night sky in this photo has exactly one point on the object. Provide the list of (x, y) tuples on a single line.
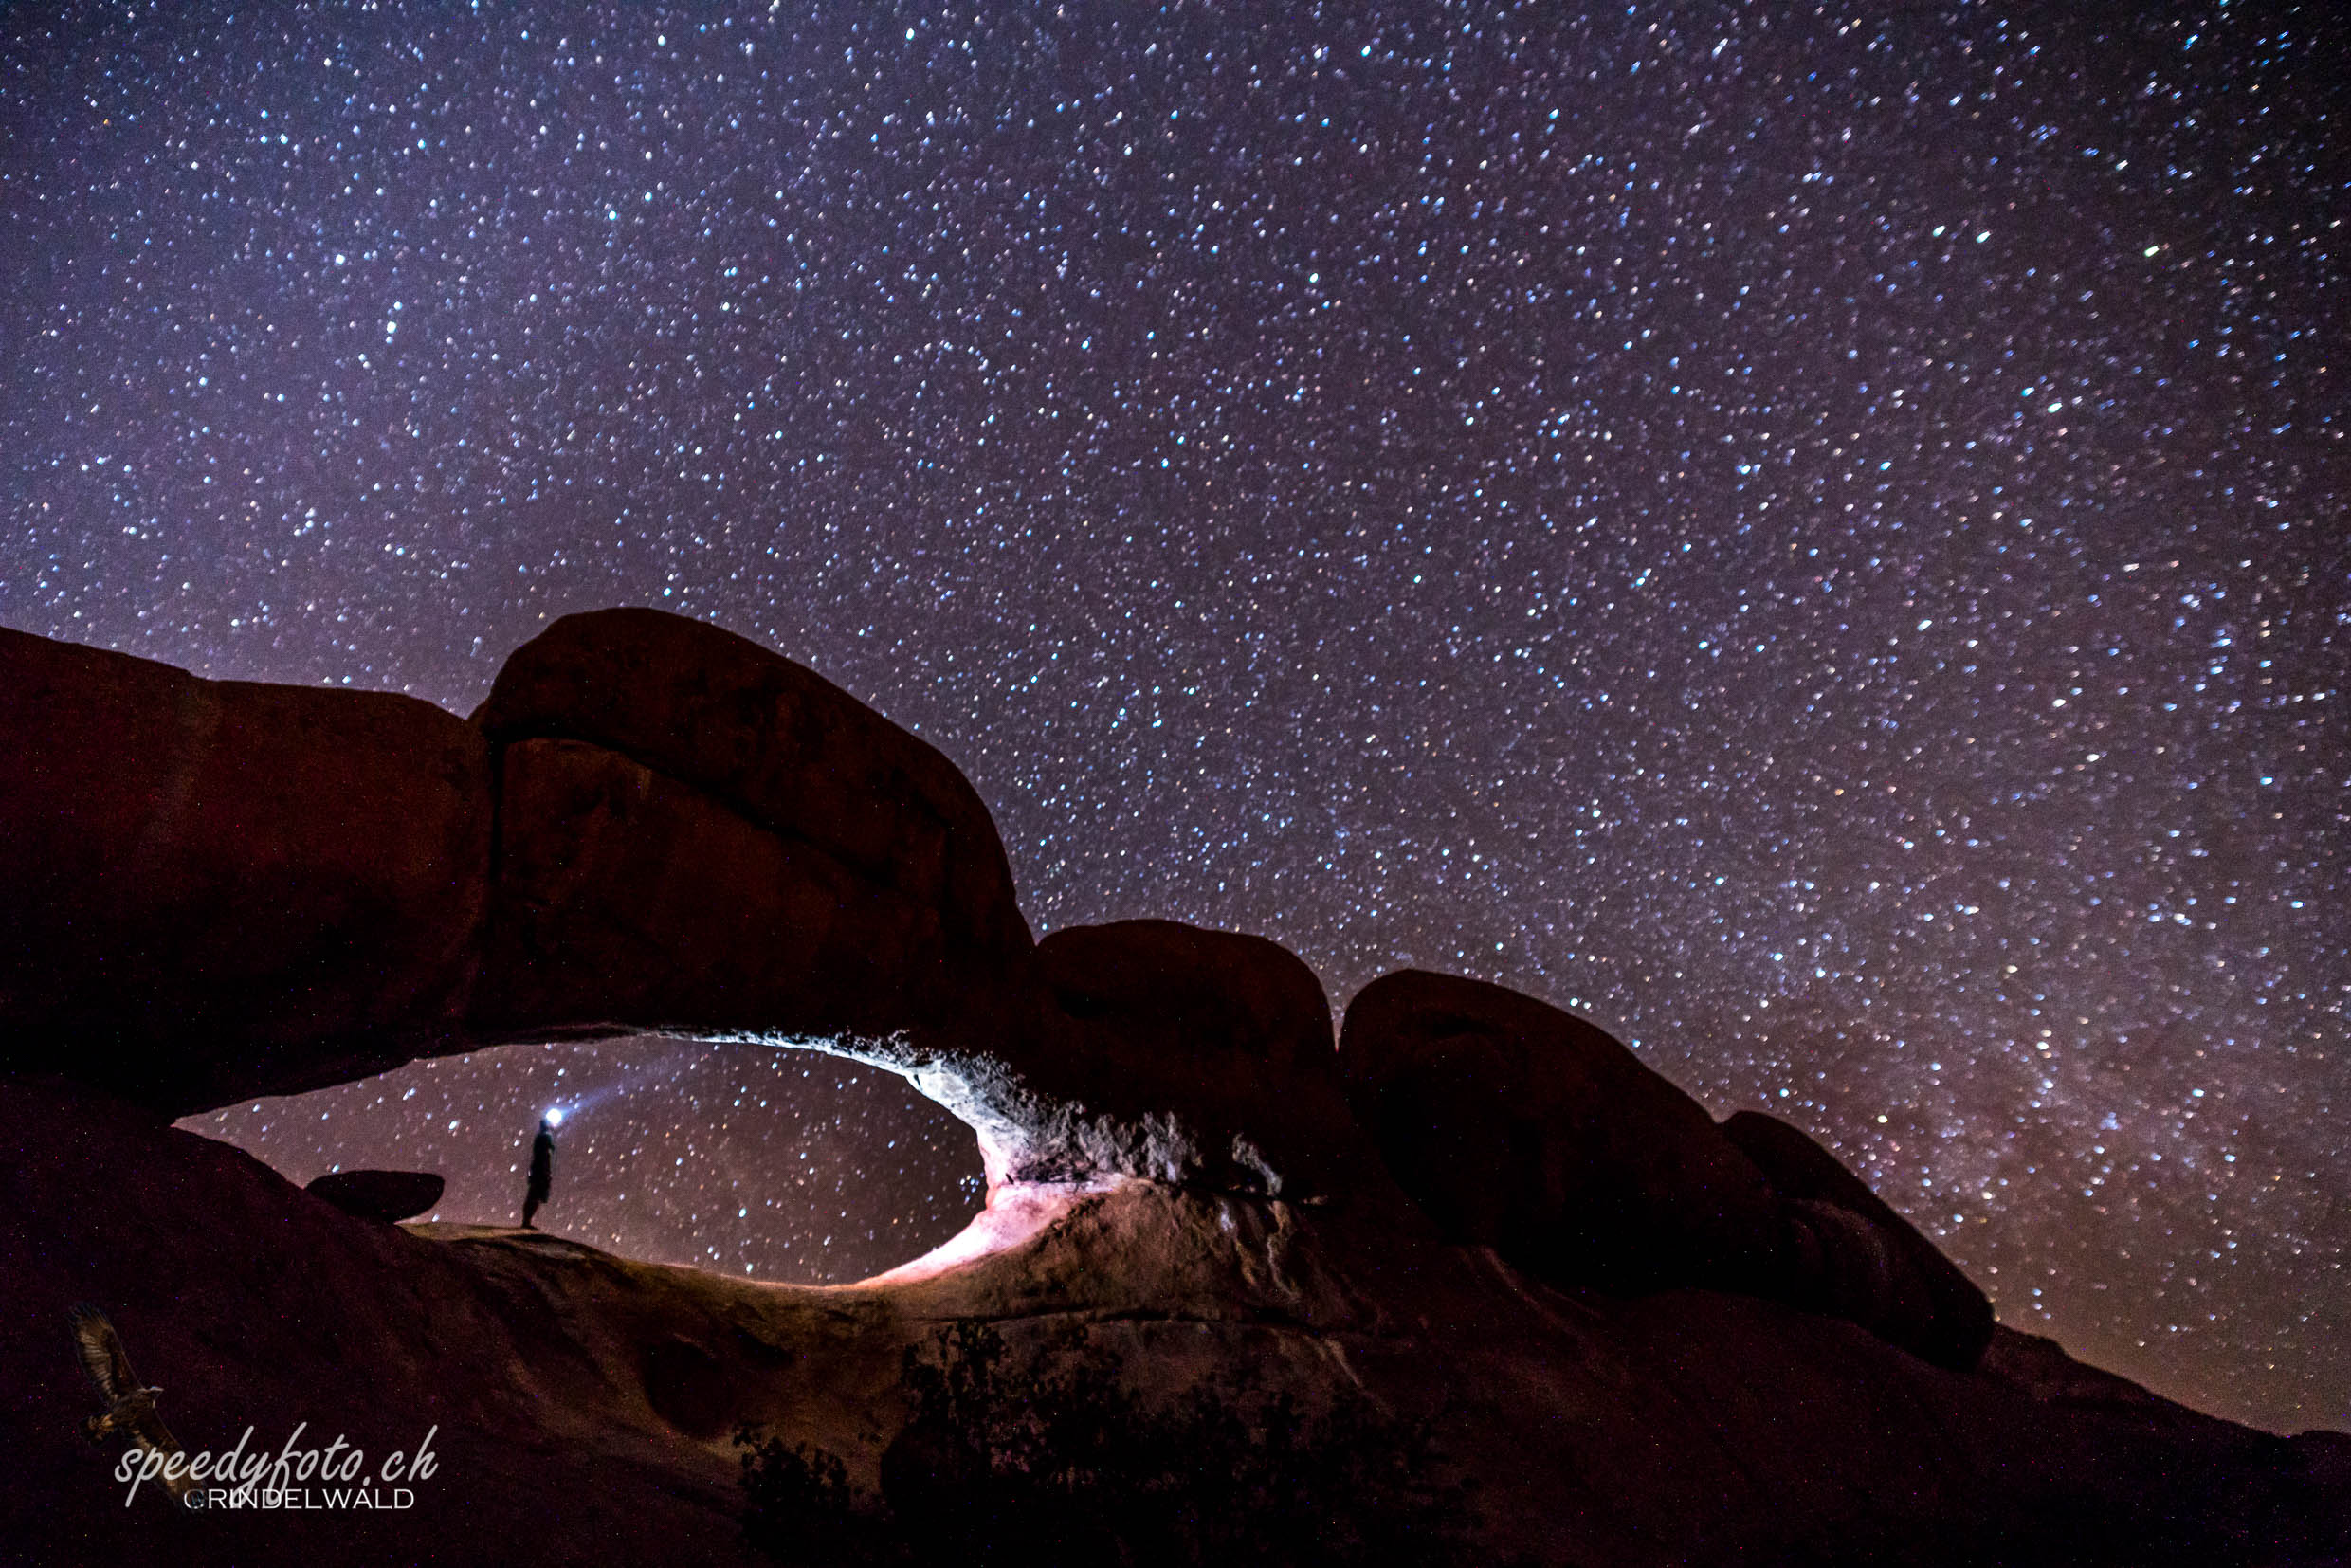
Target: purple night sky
[(1815, 538)]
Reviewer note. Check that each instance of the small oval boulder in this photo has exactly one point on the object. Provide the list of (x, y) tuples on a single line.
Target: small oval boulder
[(387, 1197)]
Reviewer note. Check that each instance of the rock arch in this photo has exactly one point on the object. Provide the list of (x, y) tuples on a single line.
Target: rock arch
[(225, 889), (217, 890)]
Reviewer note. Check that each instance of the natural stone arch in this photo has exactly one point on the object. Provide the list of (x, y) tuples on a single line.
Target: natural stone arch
[(654, 827)]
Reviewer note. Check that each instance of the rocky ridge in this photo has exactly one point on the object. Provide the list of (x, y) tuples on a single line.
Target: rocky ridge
[(1644, 1336)]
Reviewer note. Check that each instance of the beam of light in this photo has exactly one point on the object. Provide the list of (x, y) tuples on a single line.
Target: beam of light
[(656, 1068)]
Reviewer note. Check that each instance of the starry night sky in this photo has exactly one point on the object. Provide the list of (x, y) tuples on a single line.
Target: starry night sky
[(1817, 537)]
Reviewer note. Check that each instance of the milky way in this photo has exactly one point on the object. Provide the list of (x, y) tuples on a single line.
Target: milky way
[(1815, 538)]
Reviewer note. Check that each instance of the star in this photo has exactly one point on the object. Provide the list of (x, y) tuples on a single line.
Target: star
[(1812, 539)]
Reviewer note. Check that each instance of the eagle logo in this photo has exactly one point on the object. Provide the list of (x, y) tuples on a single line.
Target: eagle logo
[(130, 1404)]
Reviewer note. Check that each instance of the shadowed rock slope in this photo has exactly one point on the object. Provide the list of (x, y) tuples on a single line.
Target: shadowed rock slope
[(584, 1403), (1616, 1331)]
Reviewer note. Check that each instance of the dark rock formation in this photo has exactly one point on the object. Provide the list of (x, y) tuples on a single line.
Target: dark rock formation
[(1525, 1129), (1480, 1218), (213, 889), (584, 1403), (693, 836), (2040, 1366), (1859, 1258), (1528, 1130), (778, 744), (627, 899), (1215, 992), (1219, 1043), (217, 890), (385, 1197)]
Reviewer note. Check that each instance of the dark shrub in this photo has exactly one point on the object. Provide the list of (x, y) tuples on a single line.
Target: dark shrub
[(1068, 1465)]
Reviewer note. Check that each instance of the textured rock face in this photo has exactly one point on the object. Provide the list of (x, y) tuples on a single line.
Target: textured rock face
[(1525, 1129), (782, 747), (1588, 1299), (584, 1404), (626, 898), (212, 888), (384, 1196), (1859, 1258), (1224, 1039)]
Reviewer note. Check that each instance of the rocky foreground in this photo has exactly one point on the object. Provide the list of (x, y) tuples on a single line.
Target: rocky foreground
[(1478, 1240)]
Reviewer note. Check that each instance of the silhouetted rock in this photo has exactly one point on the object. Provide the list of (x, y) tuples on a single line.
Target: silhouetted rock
[(269, 888), (1219, 991), (775, 743), (2040, 1366), (210, 890), (1216, 1045), (1526, 1129), (213, 891), (1860, 1259), (218, 890), (1684, 1427), (386, 1197), (628, 898)]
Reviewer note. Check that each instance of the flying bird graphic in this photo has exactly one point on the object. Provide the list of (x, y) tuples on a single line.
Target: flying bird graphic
[(131, 1405)]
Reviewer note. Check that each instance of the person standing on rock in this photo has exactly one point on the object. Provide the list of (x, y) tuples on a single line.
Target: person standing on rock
[(542, 1169)]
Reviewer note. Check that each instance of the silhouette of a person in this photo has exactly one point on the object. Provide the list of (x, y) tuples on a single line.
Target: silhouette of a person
[(543, 1172)]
